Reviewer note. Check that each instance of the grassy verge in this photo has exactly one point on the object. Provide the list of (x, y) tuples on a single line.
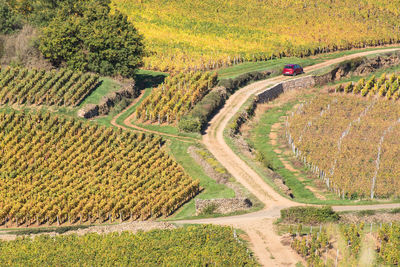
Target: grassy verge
[(107, 86), (167, 129), (277, 64), (211, 188)]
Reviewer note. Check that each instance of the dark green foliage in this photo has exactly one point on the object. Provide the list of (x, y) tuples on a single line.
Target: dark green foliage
[(190, 124), (86, 36), (41, 12), (9, 20), (309, 215), (197, 119)]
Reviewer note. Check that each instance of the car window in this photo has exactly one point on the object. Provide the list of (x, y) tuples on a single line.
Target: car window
[(288, 67)]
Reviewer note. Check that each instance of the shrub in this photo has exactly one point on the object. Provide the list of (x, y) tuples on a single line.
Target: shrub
[(203, 111), (190, 124), (309, 215)]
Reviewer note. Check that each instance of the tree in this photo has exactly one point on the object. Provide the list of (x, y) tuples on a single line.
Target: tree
[(86, 36), (9, 20)]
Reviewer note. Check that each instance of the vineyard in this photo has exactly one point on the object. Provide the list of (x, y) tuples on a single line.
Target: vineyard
[(175, 97), (61, 87), (343, 245), (200, 35), (57, 170), (350, 142), (384, 86), (188, 246)]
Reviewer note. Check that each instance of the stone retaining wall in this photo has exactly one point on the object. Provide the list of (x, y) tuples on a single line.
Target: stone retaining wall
[(223, 206), (273, 92)]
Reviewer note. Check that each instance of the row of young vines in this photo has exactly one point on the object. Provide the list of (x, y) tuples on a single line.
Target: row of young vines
[(58, 170), (39, 87)]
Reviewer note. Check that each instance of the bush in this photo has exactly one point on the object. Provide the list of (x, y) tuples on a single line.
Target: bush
[(309, 215), (197, 119), (91, 38), (190, 124), (9, 20)]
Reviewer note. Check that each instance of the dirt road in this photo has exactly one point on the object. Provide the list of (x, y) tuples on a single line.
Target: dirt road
[(259, 225), (264, 242)]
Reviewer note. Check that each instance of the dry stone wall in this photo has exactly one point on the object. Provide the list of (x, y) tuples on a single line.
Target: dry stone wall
[(273, 92), (223, 206)]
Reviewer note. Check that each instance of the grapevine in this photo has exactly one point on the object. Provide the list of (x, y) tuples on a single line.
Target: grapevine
[(57, 170)]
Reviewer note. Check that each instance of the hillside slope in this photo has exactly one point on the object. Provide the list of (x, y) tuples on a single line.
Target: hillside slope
[(197, 33)]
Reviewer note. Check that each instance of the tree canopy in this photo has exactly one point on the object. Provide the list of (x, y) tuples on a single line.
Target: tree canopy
[(9, 20), (86, 36)]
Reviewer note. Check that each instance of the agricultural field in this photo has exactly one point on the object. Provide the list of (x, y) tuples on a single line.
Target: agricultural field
[(39, 87), (193, 35), (58, 170), (355, 244), (326, 238), (186, 246), (175, 97), (350, 142)]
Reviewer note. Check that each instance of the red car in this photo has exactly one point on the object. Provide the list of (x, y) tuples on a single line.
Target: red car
[(292, 69)]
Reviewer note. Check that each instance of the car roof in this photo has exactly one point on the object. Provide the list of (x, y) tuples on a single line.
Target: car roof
[(289, 65)]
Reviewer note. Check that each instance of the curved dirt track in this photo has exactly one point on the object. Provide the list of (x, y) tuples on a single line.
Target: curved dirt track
[(214, 137), (265, 243), (128, 123)]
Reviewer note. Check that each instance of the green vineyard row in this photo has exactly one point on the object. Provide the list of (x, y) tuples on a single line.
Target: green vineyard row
[(57, 170), (188, 246), (39, 87)]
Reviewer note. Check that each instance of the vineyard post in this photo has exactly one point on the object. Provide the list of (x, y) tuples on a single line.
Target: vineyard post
[(337, 256)]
